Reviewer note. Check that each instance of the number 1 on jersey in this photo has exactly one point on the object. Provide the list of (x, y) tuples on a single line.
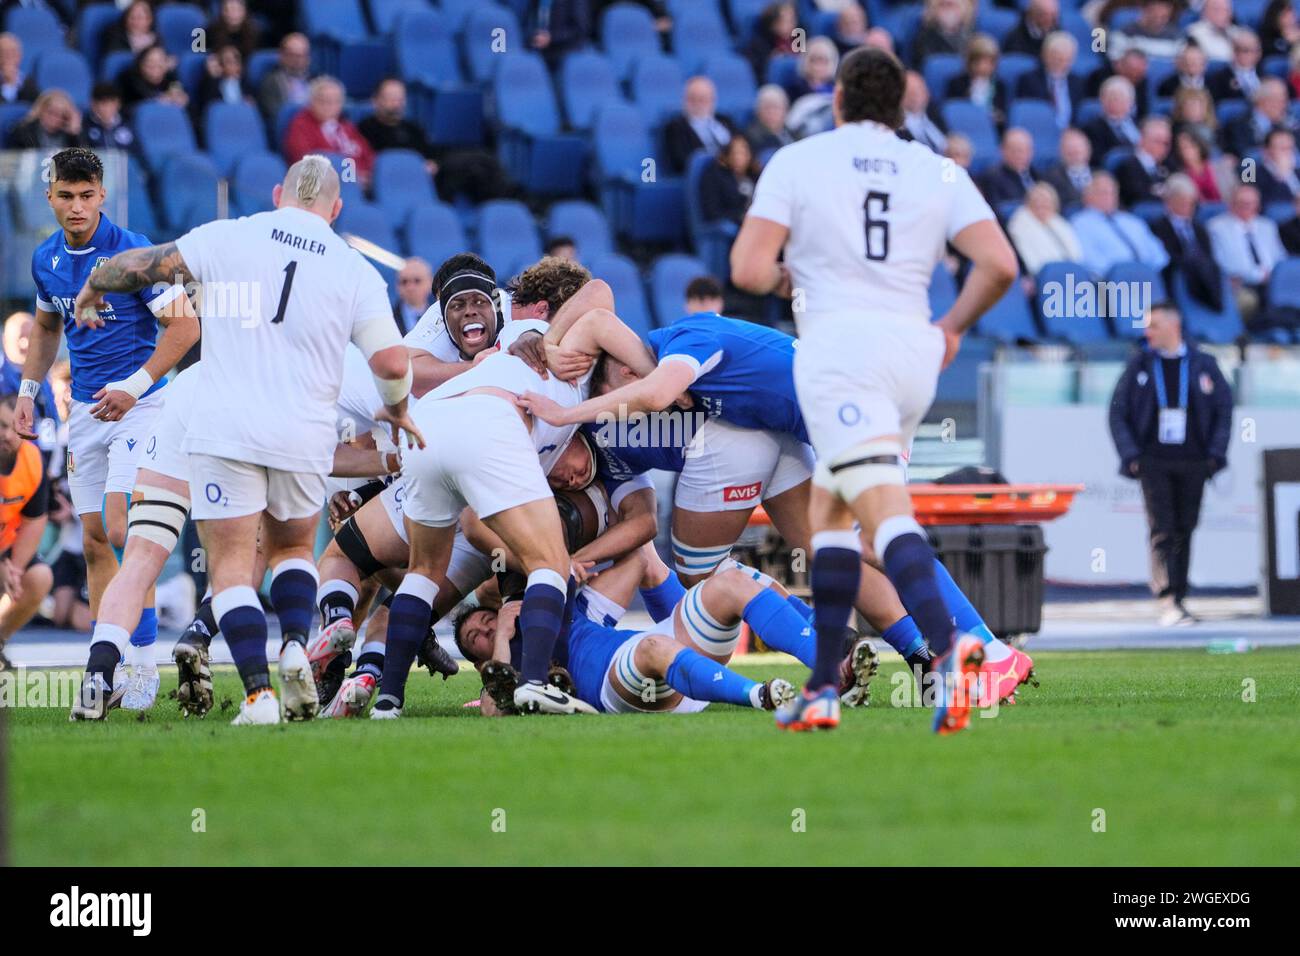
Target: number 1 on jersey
[(879, 250), (289, 270)]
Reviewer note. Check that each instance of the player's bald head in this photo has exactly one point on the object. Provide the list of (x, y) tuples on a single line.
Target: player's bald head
[(311, 184)]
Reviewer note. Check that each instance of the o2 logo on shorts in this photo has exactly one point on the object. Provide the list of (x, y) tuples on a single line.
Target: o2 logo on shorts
[(850, 414), (742, 492), (212, 491), (151, 449)]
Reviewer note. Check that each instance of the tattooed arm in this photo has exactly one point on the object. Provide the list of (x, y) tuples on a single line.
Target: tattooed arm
[(130, 271)]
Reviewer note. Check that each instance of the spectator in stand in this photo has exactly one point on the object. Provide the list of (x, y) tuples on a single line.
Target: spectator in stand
[(1239, 78), (698, 126), (1194, 113), (878, 38), (1142, 176), (773, 35), (1040, 18), (1191, 157), (1247, 132), (767, 131), (134, 30), (727, 184), (288, 81), (232, 26), (223, 81), (1170, 419), (388, 128), (1009, 181), (105, 128), (920, 119), (980, 83), (151, 78), (946, 27), (1072, 172), (1293, 71), (811, 110), (1277, 178), (704, 294), (1114, 127), (1213, 32), (561, 247), (414, 293), (960, 150), (1247, 247), (1040, 234), (1108, 234), (321, 127), (1053, 79), (560, 27), (1189, 72), (1188, 243), (1289, 231), (53, 122), (1132, 66), (658, 9), (1279, 33), (16, 86), (850, 28), (1155, 32)]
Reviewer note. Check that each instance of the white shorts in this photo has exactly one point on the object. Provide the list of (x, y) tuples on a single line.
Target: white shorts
[(392, 498), (103, 456), (860, 377), (162, 448), (729, 468), (223, 488), (614, 704), (469, 567), (479, 454)]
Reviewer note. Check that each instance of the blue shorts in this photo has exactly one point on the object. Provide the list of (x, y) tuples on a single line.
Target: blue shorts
[(591, 651)]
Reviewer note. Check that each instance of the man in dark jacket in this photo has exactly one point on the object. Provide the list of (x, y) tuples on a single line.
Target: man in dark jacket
[(1188, 243), (1170, 418)]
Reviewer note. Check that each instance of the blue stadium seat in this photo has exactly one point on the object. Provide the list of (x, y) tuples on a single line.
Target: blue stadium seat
[(657, 87), (783, 70), (625, 282), (232, 130), (974, 122), (39, 29), (696, 35), (1039, 118), (1229, 110), (454, 13), (1208, 210), (175, 24), (385, 13), (369, 222), (92, 21), (1012, 66), (425, 50), (587, 82), (995, 21), (162, 130), (339, 20), (190, 68), (1250, 13), (361, 65), (258, 64), (1009, 320), (401, 182), (734, 78), (1088, 111), (709, 8), (712, 240), (532, 148), (434, 233), (942, 292), (744, 15), (507, 236), (1066, 311), (1159, 69), (255, 176), (939, 69), (187, 192), (1203, 323), (10, 115), (960, 381), (1124, 307), (641, 208), (1280, 212), (140, 213), (582, 222), (282, 120), (1284, 285), (902, 21), (114, 65), (669, 277), (627, 31), (66, 70), (483, 43)]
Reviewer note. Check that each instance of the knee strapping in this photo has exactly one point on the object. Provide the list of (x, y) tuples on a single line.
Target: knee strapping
[(695, 561), (647, 690), (865, 466), (159, 516), (708, 634)]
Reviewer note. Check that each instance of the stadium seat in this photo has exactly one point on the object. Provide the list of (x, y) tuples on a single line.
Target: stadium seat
[(162, 130), (1284, 285), (960, 381), (384, 14), (339, 20), (783, 70), (369, 222), (11, 114), (744, 14), (1067, 308), (507, 236), (255, 175), (1159, 69), (187, 191), (627, 31), (1280, 212), (943, 291), (712, 240), (532, 149), (625, 282), (361, 65), (1039, 118), (902, 21), (92, 21), (974, 122), (39, 29), (995, 21), (232, 130), (140, 214), (190, 68), (1203, 323), (1126, 309), (650, 208), (584, 223), (1088, 111), (1012, 66), (1230, 110), (260, 63), (657, 87), (65, 70), (424, 50), (434, 233), (454, 13), (669, 277), (697, 34), (487, 40), (587, 82), (175, 24), (939, 69), (734, 78), (114, 65), (401, 182)]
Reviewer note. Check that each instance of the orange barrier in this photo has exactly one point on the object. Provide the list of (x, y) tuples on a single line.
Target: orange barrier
[(979, 504)]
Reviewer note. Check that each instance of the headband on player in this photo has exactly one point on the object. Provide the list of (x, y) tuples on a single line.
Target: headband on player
[(461, 283)]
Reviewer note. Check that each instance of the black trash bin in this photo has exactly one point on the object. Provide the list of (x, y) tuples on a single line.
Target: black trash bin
[(999, 568)]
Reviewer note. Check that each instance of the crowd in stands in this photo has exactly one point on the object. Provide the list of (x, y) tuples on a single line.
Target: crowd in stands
[(1104, 133)]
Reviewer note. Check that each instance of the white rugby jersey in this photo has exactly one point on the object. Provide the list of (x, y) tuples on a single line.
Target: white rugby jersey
[(868, 215), (358, 401), (504, 371), (282, 297)]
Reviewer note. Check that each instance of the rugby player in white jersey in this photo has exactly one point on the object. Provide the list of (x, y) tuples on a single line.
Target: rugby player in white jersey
[(283, 296), (864, 217)]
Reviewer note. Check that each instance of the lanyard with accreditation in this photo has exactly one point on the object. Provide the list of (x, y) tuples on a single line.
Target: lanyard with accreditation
[(1173, 421)]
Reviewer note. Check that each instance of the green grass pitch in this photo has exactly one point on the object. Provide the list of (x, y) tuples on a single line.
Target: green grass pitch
[(1184, 770)]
